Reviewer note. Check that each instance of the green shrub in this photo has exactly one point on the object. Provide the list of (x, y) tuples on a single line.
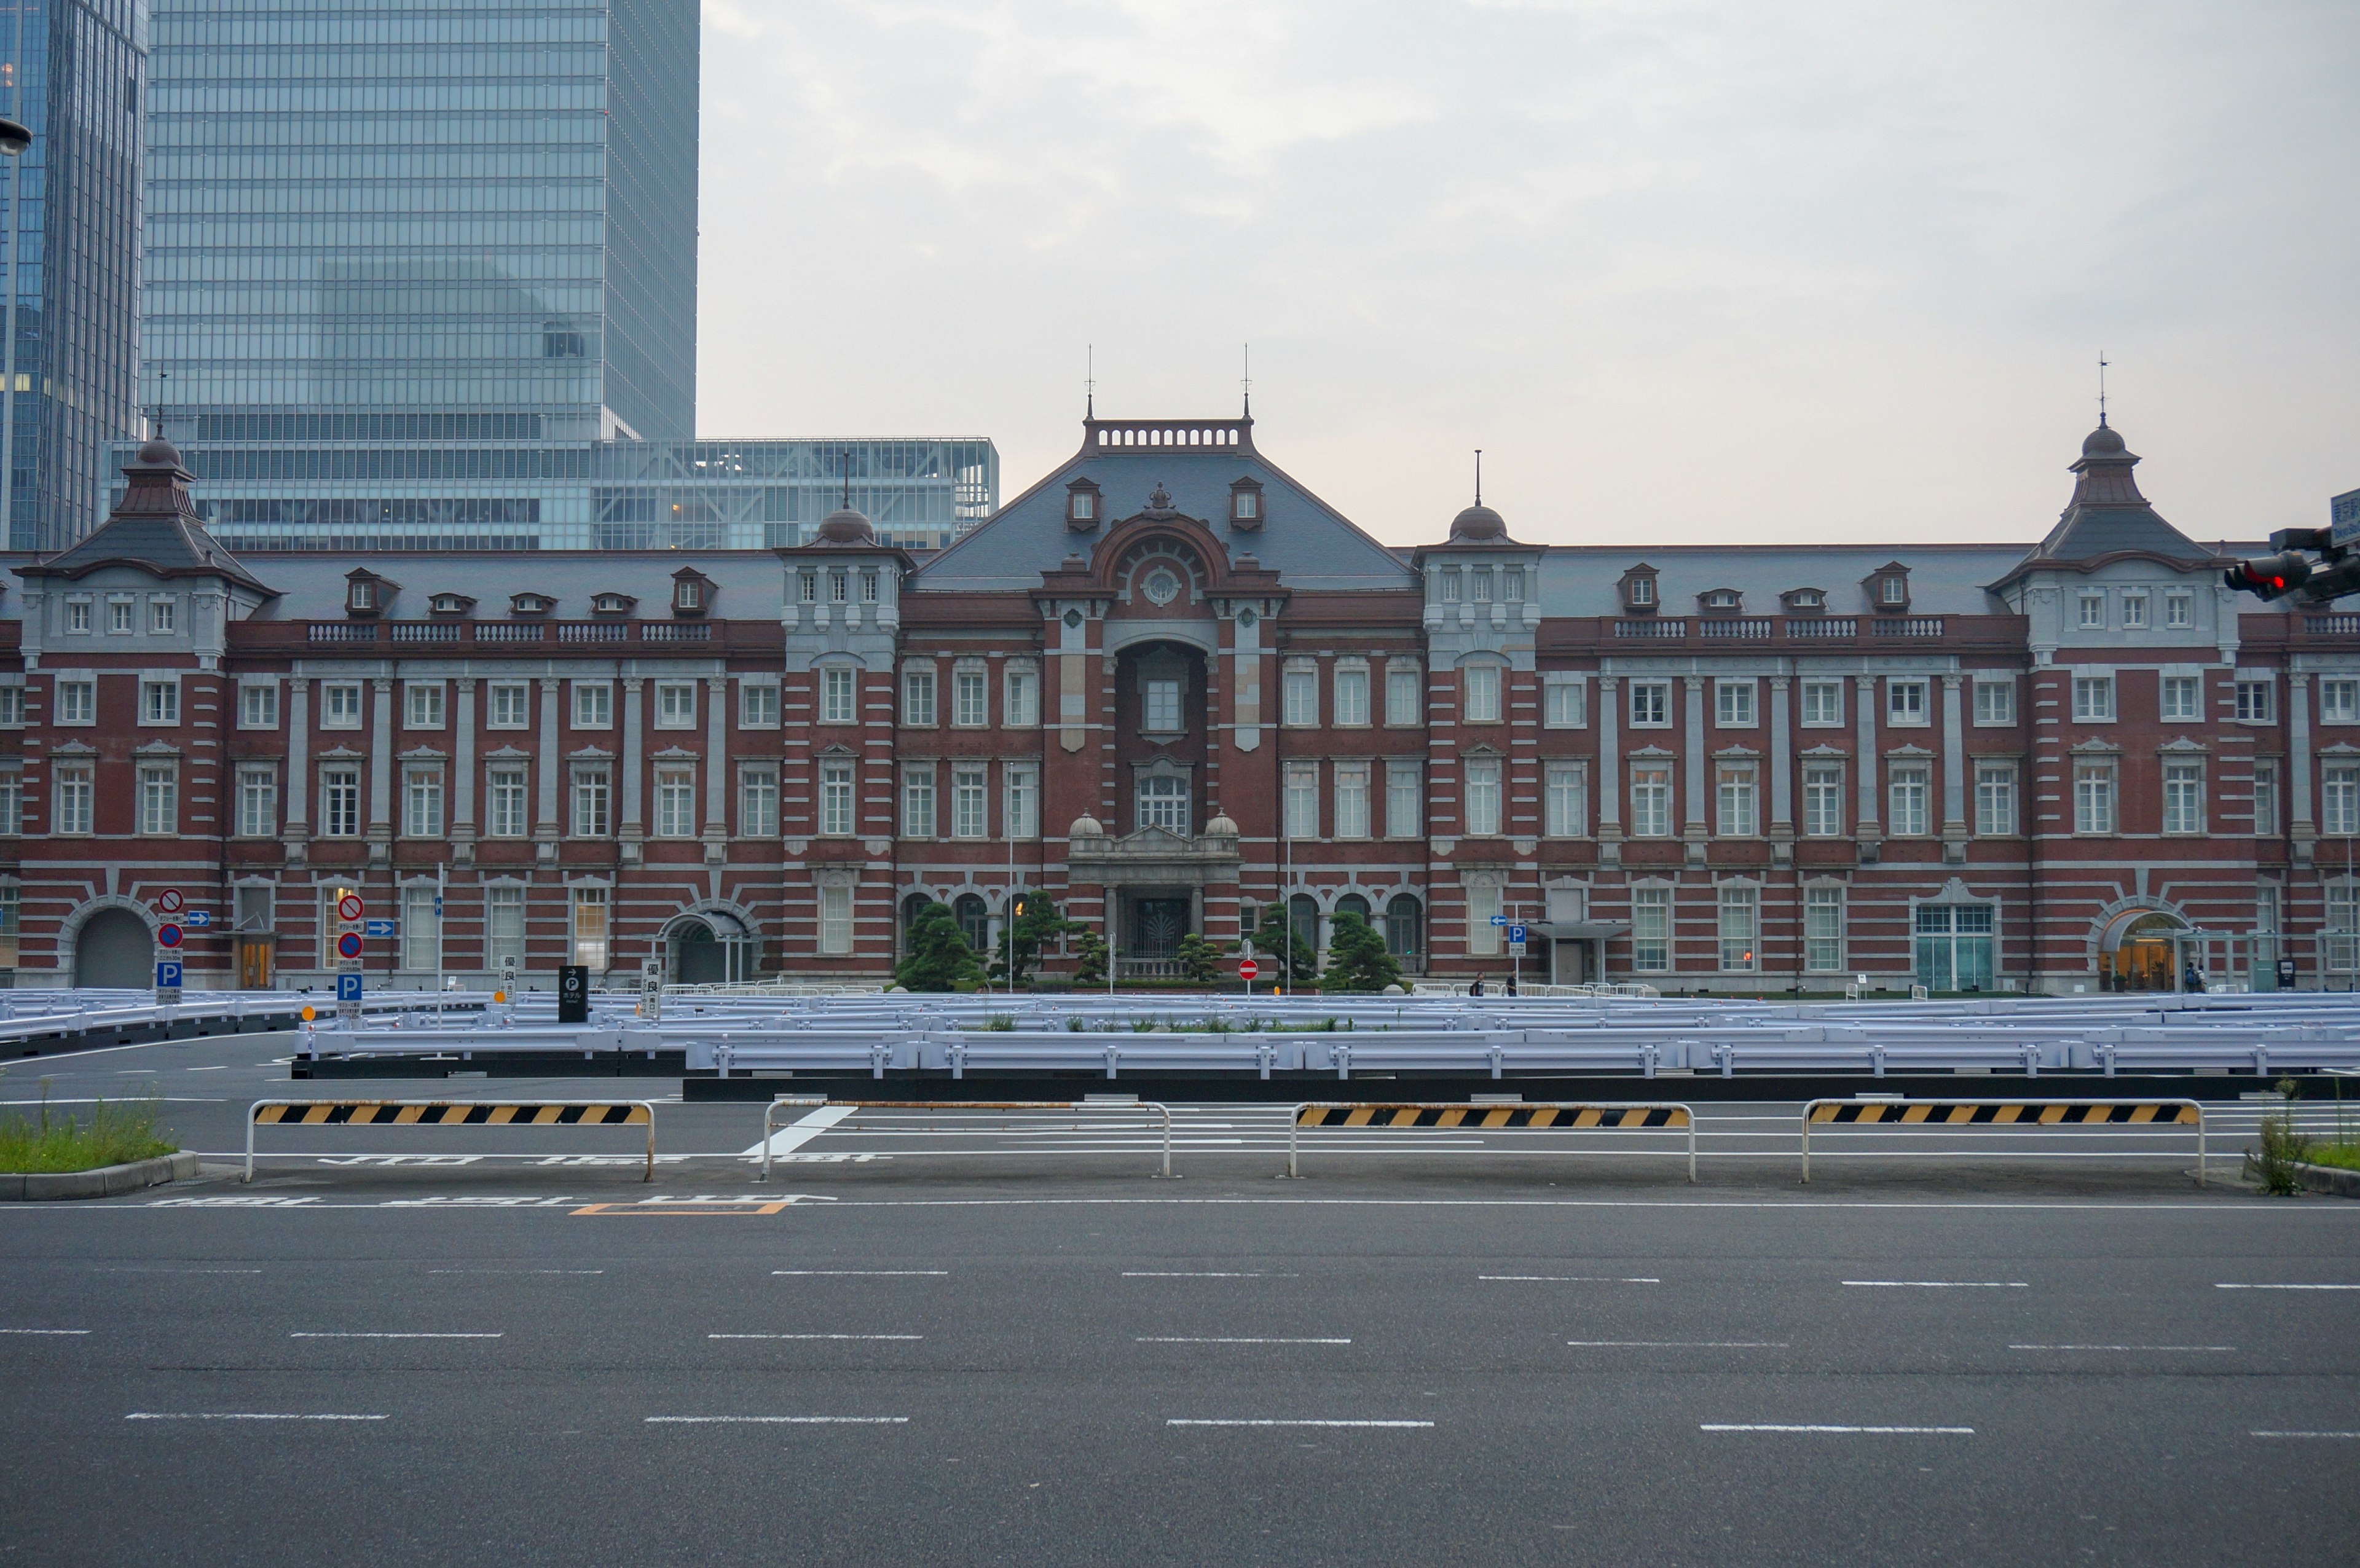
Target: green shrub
[(939, 958), (2283, 1148), (115, 1134)]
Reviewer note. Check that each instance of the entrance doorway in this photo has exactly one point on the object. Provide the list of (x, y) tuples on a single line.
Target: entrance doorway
[(115, 950), (1156, 927), (710, 949), (254, 963), (2139, 958)]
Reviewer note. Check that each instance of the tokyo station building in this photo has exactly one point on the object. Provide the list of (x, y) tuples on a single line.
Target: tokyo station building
[(1171, 687)]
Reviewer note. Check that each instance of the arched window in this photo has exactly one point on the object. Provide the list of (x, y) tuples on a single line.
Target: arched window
[(912, 908), (1352, 904), (1405, 927), (974, 920), (1302, 921)]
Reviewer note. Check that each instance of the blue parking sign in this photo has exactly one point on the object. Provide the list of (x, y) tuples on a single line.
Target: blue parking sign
[(1516, 933), (168, 974), (348, 987)]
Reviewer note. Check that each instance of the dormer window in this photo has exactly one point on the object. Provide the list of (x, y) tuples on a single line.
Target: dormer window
[(1638, 591), (366, 594), (450, 604), (1804, 601), (1721, 602), (1082, 504), (1245, 503), (692, 592), (1888, 588), (612, 605), (361, 595), (530, 604)]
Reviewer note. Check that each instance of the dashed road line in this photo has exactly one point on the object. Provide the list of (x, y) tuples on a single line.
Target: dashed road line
[(892, 1336), (245, 1416), (1568, 1280), (1179, 1420), (1946, 1284), (1175, 1339), (1199, 1274), (2303, 1434), (2287, 1287), (1679, 1344), (778, 1420), (862, 1273), (59, 1331), (2146, 1347), (308, 1334), (1861, 1431)]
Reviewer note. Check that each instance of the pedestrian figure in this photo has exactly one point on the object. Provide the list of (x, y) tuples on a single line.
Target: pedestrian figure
[(1477, 988), (2193, 981)]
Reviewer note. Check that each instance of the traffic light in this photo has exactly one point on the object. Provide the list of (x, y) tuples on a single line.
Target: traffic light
[(2272, 576)]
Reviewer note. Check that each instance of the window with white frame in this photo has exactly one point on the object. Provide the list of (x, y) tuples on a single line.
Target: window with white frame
[(12, 805), (1651, 799), (1651, 704), (1994, 700), (505, 802), (918, 801), (2178, 611), (1450, 585), (1651, 929), (1405, 701), (1482, 936), (2339, 700), (77, 700), (78, 616), (2135, 612), (2093, 699), (1823, 704), (1904, 701), (1566, 804), (2266, 798), (1823, 800), (835, 920), (1741, 923), (971, 803), (757, 704), (2183, 797), (2339, 799), (2094, 795), (675, 704), (917, 696), (340, 705), (1352, 695), (1482, 805), (257, 705), (159, 798), (2093, 612), (70, 813), (1159, 705), (1905, 791), (421, 929), (159, 702), (1482, 693), (340, 801), (1352, 799), (2269, 916), (1161, 801), (421, 793), (1480, 580), (1300, 804), (1020, 784), (163, 616), (2343, 926), (1735, 708), (1404, 800), (593, 802), (1996, 799), (835, 800), (507, 705), (1823, 929), (594, 704), (592, 908), (676, 801), (1299, 690), (2180, 698), (1020, 697), (971, 697), (423, 708), (119, 611), (2256, 700), (836, 700), (12, 706), (1564, 704), (839, 588), (758, 799), (1735, 812)]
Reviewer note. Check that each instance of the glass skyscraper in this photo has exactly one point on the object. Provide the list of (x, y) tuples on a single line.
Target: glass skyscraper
[(73, 73)]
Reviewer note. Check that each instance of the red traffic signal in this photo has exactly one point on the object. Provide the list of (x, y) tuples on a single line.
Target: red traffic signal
[(2272, 576)]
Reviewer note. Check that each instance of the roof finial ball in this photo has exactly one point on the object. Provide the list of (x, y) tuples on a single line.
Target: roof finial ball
[(1478, 521)]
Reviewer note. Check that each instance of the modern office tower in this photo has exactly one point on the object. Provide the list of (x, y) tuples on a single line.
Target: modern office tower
[(469, 226), (72, 72)]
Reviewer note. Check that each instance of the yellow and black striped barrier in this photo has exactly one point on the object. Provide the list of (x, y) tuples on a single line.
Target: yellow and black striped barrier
[(451, 1113), (2013, 1113), (1545, 1116)]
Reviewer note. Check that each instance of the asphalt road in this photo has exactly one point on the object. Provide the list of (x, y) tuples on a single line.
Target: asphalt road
[(1013, 1352)]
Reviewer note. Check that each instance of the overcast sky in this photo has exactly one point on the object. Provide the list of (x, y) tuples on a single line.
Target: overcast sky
[(1729, 270)]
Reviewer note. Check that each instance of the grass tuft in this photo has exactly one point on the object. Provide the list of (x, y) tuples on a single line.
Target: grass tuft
[(114, 1134)]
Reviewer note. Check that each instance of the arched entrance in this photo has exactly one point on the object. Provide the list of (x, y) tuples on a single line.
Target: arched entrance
[(710, 948), (114, 950), (2137, 953)]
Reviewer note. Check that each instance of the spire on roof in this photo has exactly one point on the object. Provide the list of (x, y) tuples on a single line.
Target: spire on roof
[(155, 527)]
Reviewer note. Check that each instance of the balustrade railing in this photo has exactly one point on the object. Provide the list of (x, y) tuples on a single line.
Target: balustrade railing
[(1822, 629)]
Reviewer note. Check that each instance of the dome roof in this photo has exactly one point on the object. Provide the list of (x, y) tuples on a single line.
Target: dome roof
[(159, 453), (1221, 826), (2103, 441), (845, 526), (1478, 522), (1085, 826)]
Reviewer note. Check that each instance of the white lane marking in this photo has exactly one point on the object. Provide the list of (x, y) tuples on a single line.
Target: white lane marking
[(164, 1270), (1566, 1280), (2287, 1287), (101, 1099), (1184, 1274), (2303, 1434), (1174, 1339), (2122, 1347), (237, 1415), (793, 1136), (217, 1067), (1880, 1430), (516, 1271), (1678, 1343), (864, 1273), (44, 1331), (301, 1334), (778, 1420), (814, 1336), (1180, 1422), (1946, 1284)]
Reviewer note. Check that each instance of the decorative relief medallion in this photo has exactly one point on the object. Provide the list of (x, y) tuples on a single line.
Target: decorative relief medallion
[(1161, 586)]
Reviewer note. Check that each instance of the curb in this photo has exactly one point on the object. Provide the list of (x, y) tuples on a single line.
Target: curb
[(2333, 1180), (106, 1181)]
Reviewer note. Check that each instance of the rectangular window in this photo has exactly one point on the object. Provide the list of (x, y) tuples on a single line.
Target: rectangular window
[(2183, 797), (1567, 804), (1823, 704), (1159, 706), (1734, 709), (1995, 800), (2265, 800), (340, 802), (594, 705), (1955, 947), (2257, 700), (1651, 929), (2338, 701), (970, 797), (917, 696), (1994, 701), (1563, 704), (677, 802), (835, 920), (2182, 697), (2093, 612), (11, 707), (1352, 799), (1651, 704), (1300, 691), (918, 802), (590, 926), (675, 704), (592, 802), (77, 614), (1020, 784), (1161, 801), (12, 805), (2135, 612), (1483, 683), (1404, 800), (163, 616), (340, 705), (2343, 927), (160, 800), (1734, 804), (2339, 800), (1302, 800), (2178, 611), (1481, 581), (1482, 797), (836, 696), (758, 802), (1404, 702), (1823, 929), (421, 814), (758, 705), (78, 702), (70, 816), (970, 703), (1741, 912), (509, 705), (1904, 701), (2093, 796), (506, 790), (1823, 800), (159, 702), (2093, 699), (1351, 696), (836, 798), (257, 706), (118, 617), (1450, 585), (423, 705), (1022, 695), (1651, 801), (422, 930), (504, 923), (1906, 790)]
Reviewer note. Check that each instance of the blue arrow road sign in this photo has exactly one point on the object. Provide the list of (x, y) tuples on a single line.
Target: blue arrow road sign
[(1516, 933), (168, 976), (199, 918), (380, 927), (1498, 919), (348, 987)]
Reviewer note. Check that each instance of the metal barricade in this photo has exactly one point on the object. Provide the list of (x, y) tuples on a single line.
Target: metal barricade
[(1548, 1116), (771, 1123), (1925, 1116), (349, 1112)]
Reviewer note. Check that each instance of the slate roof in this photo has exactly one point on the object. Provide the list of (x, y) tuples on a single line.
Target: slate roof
[(1944, 578), (2108, 516), (155, 527), (749, 584)]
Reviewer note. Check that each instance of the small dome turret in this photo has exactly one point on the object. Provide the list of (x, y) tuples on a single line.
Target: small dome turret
[(2103, 441), (1085, 826), (845, 526), (159, 453), (1478, 522), (1221, 826)]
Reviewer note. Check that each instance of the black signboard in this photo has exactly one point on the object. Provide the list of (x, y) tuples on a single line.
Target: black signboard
[(573, 994)]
